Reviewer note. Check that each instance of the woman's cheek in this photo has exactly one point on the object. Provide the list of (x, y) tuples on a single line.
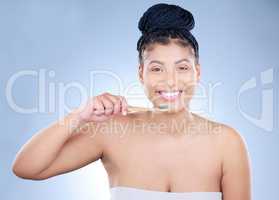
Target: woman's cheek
[(190, 80)]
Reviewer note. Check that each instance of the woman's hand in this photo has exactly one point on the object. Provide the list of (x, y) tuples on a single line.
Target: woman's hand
[(103, 107)]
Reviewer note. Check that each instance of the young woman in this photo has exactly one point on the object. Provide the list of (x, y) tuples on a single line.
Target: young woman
[(156, 154)]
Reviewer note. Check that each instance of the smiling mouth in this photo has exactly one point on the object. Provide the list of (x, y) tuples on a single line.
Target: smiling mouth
[(169, 95)]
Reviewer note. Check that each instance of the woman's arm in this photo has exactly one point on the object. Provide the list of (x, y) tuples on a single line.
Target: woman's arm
[(63, 147), (236, 180), (57, 149)]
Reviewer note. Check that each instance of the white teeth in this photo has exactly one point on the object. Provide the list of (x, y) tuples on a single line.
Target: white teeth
[(170, 93), (170, 96)]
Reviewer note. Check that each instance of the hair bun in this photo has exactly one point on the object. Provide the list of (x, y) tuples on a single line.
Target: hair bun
[(165, 16)]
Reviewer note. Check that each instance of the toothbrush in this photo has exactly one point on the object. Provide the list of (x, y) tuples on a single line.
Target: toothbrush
[(135, 109)]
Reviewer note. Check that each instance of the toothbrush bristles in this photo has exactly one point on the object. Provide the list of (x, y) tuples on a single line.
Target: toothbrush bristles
[(163, 106)]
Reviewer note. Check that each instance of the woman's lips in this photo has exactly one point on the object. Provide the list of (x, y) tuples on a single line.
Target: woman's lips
[(170, 96)]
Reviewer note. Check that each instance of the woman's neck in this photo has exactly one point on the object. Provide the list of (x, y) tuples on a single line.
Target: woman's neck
[(166, 115)]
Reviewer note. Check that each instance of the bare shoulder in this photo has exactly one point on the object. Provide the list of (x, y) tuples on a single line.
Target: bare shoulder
[(210, 126), (229, 140)]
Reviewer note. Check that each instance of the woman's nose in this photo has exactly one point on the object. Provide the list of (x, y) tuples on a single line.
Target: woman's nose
[(171, 79)]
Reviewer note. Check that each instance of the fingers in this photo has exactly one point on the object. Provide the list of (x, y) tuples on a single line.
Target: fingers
[(98, 107), (115, 102), (109, 104)]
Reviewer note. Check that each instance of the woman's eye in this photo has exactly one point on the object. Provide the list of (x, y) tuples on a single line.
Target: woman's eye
[(155, 69), (184, 68)]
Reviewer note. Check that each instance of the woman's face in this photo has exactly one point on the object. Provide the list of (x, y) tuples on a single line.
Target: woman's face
[(169, 75)]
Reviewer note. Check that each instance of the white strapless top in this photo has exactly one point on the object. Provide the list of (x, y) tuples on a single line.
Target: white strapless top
[(130, 193)]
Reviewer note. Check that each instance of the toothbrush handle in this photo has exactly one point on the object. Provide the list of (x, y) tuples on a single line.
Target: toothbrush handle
[(134, 109)]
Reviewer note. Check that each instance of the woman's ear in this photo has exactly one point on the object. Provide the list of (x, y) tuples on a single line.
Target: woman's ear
[(141, 73), (198, 70)]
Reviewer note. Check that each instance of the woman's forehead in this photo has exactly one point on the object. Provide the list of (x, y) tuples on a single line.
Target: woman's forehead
[(171, 52)]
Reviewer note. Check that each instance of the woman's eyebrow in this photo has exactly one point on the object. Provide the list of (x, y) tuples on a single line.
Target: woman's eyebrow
[(181, 60), (176, 62), (156, 61)]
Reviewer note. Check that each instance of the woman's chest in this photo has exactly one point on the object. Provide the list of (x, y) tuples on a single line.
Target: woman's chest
[(177, 162)]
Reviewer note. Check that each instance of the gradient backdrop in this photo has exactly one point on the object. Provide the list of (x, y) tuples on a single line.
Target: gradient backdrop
[(50, 51)]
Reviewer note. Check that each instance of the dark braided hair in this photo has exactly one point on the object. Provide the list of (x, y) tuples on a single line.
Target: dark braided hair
[(162, 22)]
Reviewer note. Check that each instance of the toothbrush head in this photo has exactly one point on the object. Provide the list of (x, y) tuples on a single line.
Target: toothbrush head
[(163, 106)]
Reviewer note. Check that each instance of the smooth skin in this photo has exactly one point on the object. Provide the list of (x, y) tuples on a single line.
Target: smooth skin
[(174, 151)]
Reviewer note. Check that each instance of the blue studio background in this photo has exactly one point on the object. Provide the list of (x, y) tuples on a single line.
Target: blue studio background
[(48, 50)]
